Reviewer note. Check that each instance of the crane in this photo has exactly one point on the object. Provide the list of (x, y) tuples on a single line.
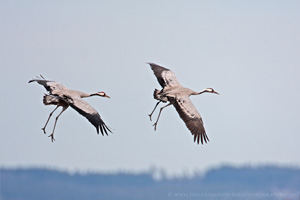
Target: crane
[(178, 96), (63, 97)]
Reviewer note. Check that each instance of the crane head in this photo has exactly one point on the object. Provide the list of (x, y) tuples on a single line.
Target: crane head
[(102, 94), (211, 90)]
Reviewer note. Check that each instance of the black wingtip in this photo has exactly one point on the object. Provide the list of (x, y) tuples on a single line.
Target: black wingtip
[(202, 137), (41, 77), (103, 129), (32, 80), (108, 128), (153, 64)]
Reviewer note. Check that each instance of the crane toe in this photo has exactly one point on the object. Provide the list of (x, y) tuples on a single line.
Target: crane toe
[(44, 130), (52, 137)]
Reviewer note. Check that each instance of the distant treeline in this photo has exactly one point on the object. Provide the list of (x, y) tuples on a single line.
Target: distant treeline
[(269, 182)]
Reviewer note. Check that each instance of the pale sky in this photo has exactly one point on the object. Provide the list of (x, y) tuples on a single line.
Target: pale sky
[(248, 51)]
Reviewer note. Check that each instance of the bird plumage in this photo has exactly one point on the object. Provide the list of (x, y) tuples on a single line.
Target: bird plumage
[(189, 114), (83, 108), (178, 96), (51, 86), (165, 77), (61, 96), (51, 99), (157, 94)]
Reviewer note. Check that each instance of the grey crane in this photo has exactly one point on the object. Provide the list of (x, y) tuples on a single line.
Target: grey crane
[(178, 96), (63, 97)]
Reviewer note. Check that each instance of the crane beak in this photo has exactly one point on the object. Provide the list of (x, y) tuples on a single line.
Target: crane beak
[(216, 92), (107, 96)]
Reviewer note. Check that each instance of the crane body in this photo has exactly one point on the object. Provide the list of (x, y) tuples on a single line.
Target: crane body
[(178, 96), (63, 97)]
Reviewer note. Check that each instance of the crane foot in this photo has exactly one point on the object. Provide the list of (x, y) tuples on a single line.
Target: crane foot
[(44, 130), (52, 137), (150, 117), (155, 124)]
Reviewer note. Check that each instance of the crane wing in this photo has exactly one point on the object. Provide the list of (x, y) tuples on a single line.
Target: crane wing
[(83, 108), (165, 77), (191, 117), (51, 86)]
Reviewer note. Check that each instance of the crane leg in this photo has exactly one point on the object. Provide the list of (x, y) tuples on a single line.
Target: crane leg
[(52, 134), (150, 115), (155, 124), (44, 129)]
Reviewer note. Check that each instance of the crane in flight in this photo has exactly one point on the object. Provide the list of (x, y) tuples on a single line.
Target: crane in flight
[(178, 96), (63, 97)]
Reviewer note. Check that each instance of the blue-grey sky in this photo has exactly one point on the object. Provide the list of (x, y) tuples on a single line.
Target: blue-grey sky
[(248, 51)]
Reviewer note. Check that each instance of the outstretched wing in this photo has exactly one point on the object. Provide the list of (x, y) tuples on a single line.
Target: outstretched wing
[(165, 77), (51, 86), (83, 108), (191, 117)]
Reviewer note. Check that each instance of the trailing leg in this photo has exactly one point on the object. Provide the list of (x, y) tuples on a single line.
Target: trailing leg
[(52, 135), (44, 129), (155, 124), (150, 115)]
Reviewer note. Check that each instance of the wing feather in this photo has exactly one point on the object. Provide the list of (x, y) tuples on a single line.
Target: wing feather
[(83, 108), (191, 117), (51, 86), (165, 77)]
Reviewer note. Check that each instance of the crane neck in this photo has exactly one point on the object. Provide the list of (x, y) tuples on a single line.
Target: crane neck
[(94, 94), (84, 95), (78, 93), (203, 91), (195, 93)]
